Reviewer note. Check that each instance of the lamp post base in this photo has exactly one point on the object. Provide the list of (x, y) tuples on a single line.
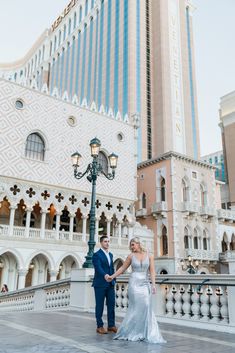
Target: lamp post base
[(88, 263)]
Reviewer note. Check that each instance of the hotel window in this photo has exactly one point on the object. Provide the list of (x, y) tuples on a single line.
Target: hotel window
[(80, 14), (74, 20), (185, 191), (35, 147), (163, 189), (69, 30), (59, 38), (203, 195), (64, 32), (143, 200)]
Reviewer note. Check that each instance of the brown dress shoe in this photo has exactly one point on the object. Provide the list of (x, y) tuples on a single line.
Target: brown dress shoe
[(101, 330), (112, 329)]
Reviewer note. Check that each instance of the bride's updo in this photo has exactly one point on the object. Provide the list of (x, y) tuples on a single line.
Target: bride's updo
[(137, 241)]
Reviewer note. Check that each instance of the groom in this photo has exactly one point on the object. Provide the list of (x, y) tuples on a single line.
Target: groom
[(103, 265)]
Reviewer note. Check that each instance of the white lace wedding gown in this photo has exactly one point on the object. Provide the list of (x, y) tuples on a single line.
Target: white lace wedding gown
[(140, 323)]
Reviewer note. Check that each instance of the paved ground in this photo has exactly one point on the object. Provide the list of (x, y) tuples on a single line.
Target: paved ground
[(74, 332)]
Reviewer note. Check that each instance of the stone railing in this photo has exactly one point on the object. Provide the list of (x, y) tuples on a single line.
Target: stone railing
[(227, 255), (142, 212), (226, 215), (200, 254), (207, 211), (159, 207), (203, 301), (189, 207)]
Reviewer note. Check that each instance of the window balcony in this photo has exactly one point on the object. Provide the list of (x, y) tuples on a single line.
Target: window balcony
[(207, 211), (227, 256), (226, 215), (159, 208), (142, 212), (190, 207), (202, 255)]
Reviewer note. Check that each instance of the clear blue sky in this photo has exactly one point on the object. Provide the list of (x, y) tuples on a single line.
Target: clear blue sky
[(22, 21)]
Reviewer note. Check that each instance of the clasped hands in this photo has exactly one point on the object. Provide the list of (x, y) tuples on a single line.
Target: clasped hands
[(108, 278)]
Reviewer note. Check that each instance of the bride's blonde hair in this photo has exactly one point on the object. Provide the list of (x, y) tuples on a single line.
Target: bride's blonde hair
[(137, 241)]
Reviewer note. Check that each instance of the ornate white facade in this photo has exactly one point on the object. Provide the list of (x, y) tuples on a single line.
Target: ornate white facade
[(44, 213)]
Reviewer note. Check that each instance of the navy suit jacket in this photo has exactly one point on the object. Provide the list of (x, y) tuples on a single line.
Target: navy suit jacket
[(102, 267)]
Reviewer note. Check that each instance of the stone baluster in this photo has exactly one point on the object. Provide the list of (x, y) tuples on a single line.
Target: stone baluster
[(43, 223), (196, 305), (224, 305), (71, 223), (118, 296), (178, 302), (170, 302), (214, 306), (186, 303), (22, 276), (205, 310), (12, 218), (125, 297), (84, 223), (28, 218)]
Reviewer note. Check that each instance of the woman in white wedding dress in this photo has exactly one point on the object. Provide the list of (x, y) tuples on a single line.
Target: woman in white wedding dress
[(140, 323)]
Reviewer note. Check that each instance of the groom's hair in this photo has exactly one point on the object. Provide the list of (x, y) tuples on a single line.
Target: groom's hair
[(103, 237)]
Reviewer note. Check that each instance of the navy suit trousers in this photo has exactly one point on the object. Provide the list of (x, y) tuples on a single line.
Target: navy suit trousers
[(102, 293)]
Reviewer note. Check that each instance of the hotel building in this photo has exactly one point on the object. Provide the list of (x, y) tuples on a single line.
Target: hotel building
[(129, 57)]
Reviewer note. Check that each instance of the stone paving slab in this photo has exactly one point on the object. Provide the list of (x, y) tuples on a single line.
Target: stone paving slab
[(75, 332)]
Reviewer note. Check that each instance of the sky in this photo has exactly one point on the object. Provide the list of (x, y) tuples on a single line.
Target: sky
[(23, 21)]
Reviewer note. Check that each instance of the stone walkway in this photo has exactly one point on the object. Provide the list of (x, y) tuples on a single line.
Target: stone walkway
[(74, 332)]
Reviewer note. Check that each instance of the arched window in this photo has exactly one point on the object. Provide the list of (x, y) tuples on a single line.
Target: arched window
[(195, 239), (35, 147), (203, 196), (205, 241), (74, 20), (103, 161), (185, 191), (163, 189), (224, 243), (143, 200), (186, 238), (164, 241), (232, 244)]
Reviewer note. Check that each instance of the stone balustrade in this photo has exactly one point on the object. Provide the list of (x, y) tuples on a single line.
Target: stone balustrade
[(203, 301), (226, 215), (201, 254)]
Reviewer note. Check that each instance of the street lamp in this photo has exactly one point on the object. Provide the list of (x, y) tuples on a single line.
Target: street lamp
[(93, 170), (190, 265)]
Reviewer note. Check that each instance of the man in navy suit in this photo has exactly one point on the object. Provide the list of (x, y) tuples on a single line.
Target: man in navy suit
[(103, 265)]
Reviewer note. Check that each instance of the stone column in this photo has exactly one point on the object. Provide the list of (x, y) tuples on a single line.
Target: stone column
[(71, 223), (119, 232), (22, 275), (43, 223), (28, 218), (158, 245), (57, 227), (84, 222), (53, 275), (108, 226), (12, 218), (130, 230)]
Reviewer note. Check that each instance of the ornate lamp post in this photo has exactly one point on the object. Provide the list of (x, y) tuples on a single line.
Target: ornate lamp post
[(93, 170), (190, 265)]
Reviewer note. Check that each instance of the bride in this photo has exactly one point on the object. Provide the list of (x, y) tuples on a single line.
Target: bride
[(140, 323)]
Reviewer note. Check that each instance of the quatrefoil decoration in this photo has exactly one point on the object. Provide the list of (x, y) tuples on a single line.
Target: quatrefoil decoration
[(14, 189)]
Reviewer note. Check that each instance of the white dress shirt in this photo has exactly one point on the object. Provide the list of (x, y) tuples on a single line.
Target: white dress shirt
[(107, 255)]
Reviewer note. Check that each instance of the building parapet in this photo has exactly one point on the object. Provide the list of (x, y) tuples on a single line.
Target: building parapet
[(226, 215), (201, 254), (227, 256)]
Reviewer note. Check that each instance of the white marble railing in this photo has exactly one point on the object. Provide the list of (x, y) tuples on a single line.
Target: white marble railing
[(227, 255), (191, 207), (207, 211), (200, 254), (142, 212), (226, 215), (203, 301)]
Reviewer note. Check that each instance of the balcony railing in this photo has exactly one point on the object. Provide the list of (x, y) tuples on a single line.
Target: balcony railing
[(200, 254), (142, 212), (202, 301), (190, 207), (227, 255), (207, 211), (159, 207), (226, 215)]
